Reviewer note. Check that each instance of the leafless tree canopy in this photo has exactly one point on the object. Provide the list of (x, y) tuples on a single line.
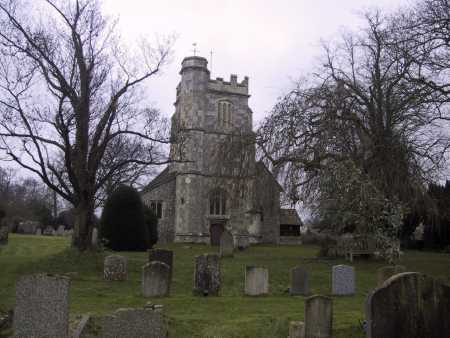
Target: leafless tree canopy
[(377, 104), (69, 100)]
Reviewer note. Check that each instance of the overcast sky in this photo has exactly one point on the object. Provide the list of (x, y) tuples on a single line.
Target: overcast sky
[(272, 42)]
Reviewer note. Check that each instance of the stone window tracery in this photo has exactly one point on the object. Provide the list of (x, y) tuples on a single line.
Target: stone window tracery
[(225, 113), (218, 202)]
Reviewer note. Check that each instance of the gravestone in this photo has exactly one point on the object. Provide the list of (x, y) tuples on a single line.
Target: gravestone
[(94, 238), (207, 275), (48, 231), (4, 234), (115, 268), (242, 240), (386, 272), (411, 305), (296, 330), (256, 281), (226, 244), (39, 232), (28, 227), (299, 281), (42, 306), (161, 255), (60, 231), (343, 280), (130, 323), (155, 279), (318, 317)]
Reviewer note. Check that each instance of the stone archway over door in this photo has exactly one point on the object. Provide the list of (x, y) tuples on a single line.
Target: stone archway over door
[(216, 231)]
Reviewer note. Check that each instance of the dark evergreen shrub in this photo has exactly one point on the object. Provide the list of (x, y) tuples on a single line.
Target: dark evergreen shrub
[(122, 225), (2, 214), (151, 222)]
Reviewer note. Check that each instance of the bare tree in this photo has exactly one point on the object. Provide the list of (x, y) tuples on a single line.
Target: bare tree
[(69, 95), (360, 110)]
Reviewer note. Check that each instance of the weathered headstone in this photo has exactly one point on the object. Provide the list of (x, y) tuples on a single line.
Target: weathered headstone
[(130, 323), (318, 317), (409, 305), (386, 272), (242, 240), (4, 233), (207, 275), (42, 306), (256, 281), (299, 281), (60, 230), (343, 280), (115, 268), (94, 237), (296, 330), (28, 227), (48, 231), (161, 255), (155, 279), (226, 244), (39, 232)]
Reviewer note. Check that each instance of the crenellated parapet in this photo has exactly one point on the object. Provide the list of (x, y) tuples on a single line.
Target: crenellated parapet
[(229, 87)]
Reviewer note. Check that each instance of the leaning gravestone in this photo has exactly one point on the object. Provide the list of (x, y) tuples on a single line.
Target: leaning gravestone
[(4, 233), (226, 244), (299, 281), (155, 279), (318, 317), (256, 281), (343, 280), (207, 275), (161, 255), (386, 272), (411, 305), (130, 323), (42, 306), (115, 268)]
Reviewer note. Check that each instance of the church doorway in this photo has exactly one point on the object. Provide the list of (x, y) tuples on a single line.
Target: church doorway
[(216, 231)]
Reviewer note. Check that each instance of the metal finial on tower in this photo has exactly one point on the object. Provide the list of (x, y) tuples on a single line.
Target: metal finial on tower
[(195, 48)]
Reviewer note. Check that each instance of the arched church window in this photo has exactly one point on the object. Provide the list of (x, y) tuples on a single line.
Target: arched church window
[(218, 202), (224, 113)]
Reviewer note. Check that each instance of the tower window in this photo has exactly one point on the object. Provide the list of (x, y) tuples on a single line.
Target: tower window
[(225, 112), (218, 202)]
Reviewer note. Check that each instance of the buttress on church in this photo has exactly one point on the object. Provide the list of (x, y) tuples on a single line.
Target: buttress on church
[(214, 182)]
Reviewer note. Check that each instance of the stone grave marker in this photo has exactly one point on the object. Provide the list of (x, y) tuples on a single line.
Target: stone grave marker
[(155, 279), (226, 244), (60, 231), (299, 281), (39, 232), (296, 330), (409, 304), (343, 280), (256, 281), (42, 306), (386, 272), (94, 238), (207, 275), (129, 323), (161, 255), (318, 317), (115, 268), (4, 234)]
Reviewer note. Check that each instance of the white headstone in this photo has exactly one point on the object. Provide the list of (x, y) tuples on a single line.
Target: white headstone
[(343, 280)]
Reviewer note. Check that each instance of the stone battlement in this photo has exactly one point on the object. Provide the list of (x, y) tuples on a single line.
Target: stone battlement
[(232, 86)]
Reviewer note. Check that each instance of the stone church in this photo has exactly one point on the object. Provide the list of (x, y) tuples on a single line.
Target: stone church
[(214, 182)]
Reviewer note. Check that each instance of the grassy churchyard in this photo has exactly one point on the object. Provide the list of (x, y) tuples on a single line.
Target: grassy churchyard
[(231, 314)]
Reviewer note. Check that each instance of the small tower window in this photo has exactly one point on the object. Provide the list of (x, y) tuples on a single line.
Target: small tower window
[(218, 202), (224, 113), (156, 207)]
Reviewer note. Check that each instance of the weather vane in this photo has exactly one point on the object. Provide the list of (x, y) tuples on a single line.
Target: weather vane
[(195, 48)]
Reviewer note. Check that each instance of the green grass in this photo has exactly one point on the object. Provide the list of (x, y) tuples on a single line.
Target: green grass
[(228, 316)]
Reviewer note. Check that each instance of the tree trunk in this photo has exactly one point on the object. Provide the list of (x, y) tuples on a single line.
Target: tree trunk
[(84, 215)]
